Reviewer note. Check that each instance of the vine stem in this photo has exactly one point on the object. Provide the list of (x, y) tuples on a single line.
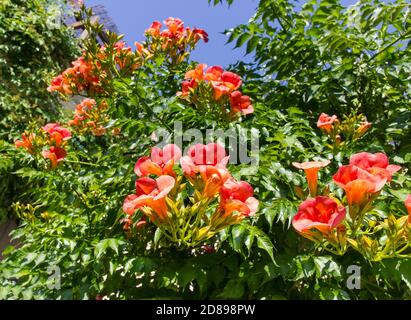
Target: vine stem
[(402, 36)]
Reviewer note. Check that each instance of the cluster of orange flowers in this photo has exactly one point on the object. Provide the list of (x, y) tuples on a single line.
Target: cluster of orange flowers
[(186, 217), (90, 116), (79, 78), (204, 87), (49, 141), (176, 41), (362, 180), (89, 74), (122, 55)]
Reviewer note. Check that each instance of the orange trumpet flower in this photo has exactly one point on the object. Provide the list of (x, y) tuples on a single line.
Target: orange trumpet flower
[(311, 169)]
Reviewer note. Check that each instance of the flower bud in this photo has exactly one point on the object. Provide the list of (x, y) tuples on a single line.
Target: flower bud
[(337, 140)]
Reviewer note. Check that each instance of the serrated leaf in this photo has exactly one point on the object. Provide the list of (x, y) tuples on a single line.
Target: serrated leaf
[(264, 243), (252, 44), (242, 39), (101, 247)]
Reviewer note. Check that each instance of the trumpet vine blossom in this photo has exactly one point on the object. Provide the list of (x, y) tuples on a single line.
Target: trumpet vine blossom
[(189, 217)]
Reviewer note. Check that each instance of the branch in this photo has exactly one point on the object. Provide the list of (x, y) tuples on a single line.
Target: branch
[(403, 36)]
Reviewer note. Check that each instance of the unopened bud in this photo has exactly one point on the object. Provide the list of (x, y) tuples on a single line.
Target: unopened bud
[(341, 234), (299, 192)]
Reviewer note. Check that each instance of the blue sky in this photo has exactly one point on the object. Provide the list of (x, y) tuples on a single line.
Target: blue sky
[(132, 17)]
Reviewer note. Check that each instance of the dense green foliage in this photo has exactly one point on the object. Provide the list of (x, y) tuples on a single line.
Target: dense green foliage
[(356, 63), (34, 44), (324, 57)]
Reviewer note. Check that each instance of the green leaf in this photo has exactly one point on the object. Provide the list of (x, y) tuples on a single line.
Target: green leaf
[(157, 236), (249, 240), (242, 39), (101, 247), (187, 274), (264, 243), (234, 289), (325, 265), (252, 44), (238, 235), (405, 271)]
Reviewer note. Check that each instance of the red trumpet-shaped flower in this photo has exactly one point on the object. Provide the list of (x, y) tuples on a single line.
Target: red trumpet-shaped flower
[(122, 55), (59, 84), (197, 73), (210, 162), (187, 87), (176, 36), (55, 155), (358, 184), (225, 84), (200, 34), (238, 190), (245, 209), (200, 156), (364, 127), (175, 26), (154, 29), (87, 113), (213, 73), (121, 47), (376, 164), (236, 203), (160, 162), (326, 122), (350, 173), (57, 133), (150, 194), (408, 206), (240, 103), (193, 76), (214, 178), (26, 142), (78, 78), (238, 196), (311, 169), (319, 213), (210, 154)]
